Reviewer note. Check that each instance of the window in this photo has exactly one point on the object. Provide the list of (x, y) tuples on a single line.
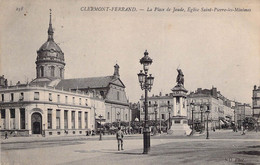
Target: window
[(12, 113), (118, 95), (79, 101), (49, 118), (73, 100), (65, 119), (22, 118), (2, 113), (2, 124), (42, 71), (36, 95), (57, 119), (163, 116), (12, 97), (168, 102), (102, 93), (66, 99), (21, 97), (86, 119), (3, 97), (79, 120), (61, 72), (86, 102), (108, 115), (12, 118), (52, 71), (50, 97), (125, 116), (58, 98), (73, 119), (178, 100)]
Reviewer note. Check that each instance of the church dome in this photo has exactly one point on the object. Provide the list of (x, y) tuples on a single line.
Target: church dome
[(50, 51), (50, 59), (50, 46)]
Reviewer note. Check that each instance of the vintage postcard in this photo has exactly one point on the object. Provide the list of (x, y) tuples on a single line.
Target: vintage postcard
[(129, 81)]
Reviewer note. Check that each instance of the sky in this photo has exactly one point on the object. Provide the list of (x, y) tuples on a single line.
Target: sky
[(220, 49)]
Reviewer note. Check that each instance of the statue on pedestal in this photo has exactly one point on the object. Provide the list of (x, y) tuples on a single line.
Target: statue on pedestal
[(180, 78)]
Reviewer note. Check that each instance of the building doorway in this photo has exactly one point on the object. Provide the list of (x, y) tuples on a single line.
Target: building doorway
[(36, 123)]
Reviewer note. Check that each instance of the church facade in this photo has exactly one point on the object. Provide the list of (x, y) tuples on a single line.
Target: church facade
[(52, 105)]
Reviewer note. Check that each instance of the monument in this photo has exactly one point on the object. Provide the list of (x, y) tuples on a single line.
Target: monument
[(179, 120)]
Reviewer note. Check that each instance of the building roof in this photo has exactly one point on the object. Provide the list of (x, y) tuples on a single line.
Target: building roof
[(83, 83)]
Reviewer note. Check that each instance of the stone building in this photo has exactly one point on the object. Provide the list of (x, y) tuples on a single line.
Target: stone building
[(256, 102), (135, 111), (220, 109), (161, 108), (52, 105), (243, 111)]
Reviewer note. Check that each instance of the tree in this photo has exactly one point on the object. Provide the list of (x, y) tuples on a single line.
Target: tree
[(249, 123)]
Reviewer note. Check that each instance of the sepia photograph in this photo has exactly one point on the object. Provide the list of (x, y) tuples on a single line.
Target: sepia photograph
[(129, 82)]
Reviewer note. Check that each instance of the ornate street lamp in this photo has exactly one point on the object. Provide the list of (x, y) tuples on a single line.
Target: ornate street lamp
[(155, 113), (207, 113), (169, 110), (118, 119), (146, 84), (100, 135), (192, 110), (201, 113)]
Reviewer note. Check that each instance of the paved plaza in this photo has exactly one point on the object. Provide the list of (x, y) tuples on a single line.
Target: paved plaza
[(223, 147)]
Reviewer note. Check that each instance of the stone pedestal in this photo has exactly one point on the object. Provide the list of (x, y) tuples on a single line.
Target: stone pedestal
[(179, 126), (179, 119)]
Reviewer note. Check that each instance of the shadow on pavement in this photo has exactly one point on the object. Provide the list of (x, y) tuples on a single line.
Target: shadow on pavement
[(128, 153)]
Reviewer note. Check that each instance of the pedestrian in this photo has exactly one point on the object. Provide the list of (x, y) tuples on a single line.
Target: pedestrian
[(243, 130), (119, 137), (6, 135)]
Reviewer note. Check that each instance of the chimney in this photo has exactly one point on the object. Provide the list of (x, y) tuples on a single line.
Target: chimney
[(116, 71), (199, 90), (160, 94), (214, 92)]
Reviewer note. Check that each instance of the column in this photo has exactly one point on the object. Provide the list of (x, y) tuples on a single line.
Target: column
[(45, 119), (28, 121), (76, 120), (174, 107), (7, 118), (61, 119), (83, 119), (130, 114), (185, 109), (181, 106), (69, 119), (53, 119), (17, 118)]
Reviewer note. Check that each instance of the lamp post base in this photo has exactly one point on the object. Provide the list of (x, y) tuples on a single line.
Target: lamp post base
[(146, 140)]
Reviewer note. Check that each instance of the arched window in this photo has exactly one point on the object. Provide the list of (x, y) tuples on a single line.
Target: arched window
[(52, 71), (108, 115), (60, 72), (42, 71)]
